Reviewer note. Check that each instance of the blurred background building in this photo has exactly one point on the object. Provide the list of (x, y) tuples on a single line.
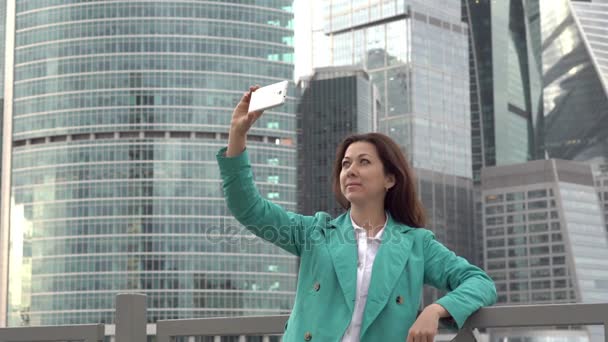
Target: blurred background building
[(505, 88), (116, 112), (601, 184), (334, 102), (545, 235)]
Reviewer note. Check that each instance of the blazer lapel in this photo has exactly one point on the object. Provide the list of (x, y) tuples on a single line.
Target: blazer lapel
[(388, 266), (342, 246)]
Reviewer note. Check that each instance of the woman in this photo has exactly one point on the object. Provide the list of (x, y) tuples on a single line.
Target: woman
[(338, 297)]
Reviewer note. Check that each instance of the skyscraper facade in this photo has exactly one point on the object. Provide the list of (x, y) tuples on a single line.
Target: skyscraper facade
[(601, 184), (416, 53), (575, 70), (505, 88), (335, 102), (545, 236), (117, 111), (506, 84)]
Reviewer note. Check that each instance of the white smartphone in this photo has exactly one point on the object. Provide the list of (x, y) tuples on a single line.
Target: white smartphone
[(267, 97)]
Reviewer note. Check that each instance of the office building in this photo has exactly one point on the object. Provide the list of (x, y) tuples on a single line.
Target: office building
[(545, 237), (575, 73), (117, 110), (335, 102), (505, 87)]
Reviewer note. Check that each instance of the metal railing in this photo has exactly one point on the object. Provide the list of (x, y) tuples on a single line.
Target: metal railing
[(131, 323), (84, 333), (523, 316)]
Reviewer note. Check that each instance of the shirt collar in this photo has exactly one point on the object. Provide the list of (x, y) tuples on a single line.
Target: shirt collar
[(361, 230)]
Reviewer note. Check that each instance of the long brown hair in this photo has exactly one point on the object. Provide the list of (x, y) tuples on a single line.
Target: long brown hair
[(401, 200)]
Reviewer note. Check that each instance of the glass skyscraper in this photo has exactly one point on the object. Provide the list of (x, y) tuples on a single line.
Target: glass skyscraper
[(117, 112), (416, 53), (505, 87), (545, 236), (335, 102), (506, 84), (576, 80), (575, 70)]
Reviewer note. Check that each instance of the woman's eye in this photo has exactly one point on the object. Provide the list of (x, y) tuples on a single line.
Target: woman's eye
[(364, 161), (345, 164)]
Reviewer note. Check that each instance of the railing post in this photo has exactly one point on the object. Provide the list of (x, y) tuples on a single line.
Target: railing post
[(465, 334), (606, 331), (130, 318)]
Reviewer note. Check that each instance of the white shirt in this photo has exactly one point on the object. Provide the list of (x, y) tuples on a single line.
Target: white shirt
[(367, 248)]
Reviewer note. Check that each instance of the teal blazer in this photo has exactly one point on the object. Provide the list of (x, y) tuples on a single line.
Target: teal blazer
[(407, 259)]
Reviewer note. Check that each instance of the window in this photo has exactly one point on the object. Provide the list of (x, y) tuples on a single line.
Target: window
[(519, 275), (559, 260), (517, 241), (539, 227), (537, 205), (496, 243), (516, 229), (543, 261), (541, 273), (496, 254), (539, 238), (515, 196), (542, 284), (543, 296), (493, 265), (537, 193), (516, 218), (495, 220), (518, 252), (520, 263), (495, 231), (518, 286), (537, 216), (541, 250), (560, 284), (495, 209), (516, 207), (494, 198)]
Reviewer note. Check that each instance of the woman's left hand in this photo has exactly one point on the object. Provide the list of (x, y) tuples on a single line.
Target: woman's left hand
[(426, 325)]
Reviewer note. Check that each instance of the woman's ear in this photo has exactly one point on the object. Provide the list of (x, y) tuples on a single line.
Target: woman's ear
[(389, 181)]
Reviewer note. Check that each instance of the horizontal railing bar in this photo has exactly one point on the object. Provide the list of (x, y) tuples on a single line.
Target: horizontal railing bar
[(85, 332), (539, 315), (489, 317), (257, 325)]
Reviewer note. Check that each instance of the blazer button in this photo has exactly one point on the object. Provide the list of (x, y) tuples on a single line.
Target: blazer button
[(399, 299), (307, 336), (317, 286)]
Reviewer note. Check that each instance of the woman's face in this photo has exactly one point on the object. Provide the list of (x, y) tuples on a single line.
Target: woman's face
[(362, 178)]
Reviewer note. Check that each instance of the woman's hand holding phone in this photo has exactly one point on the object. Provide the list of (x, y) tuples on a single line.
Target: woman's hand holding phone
[(241, 122)]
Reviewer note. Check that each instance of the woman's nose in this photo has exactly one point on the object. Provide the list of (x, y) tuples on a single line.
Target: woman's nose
[(351, 171)]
